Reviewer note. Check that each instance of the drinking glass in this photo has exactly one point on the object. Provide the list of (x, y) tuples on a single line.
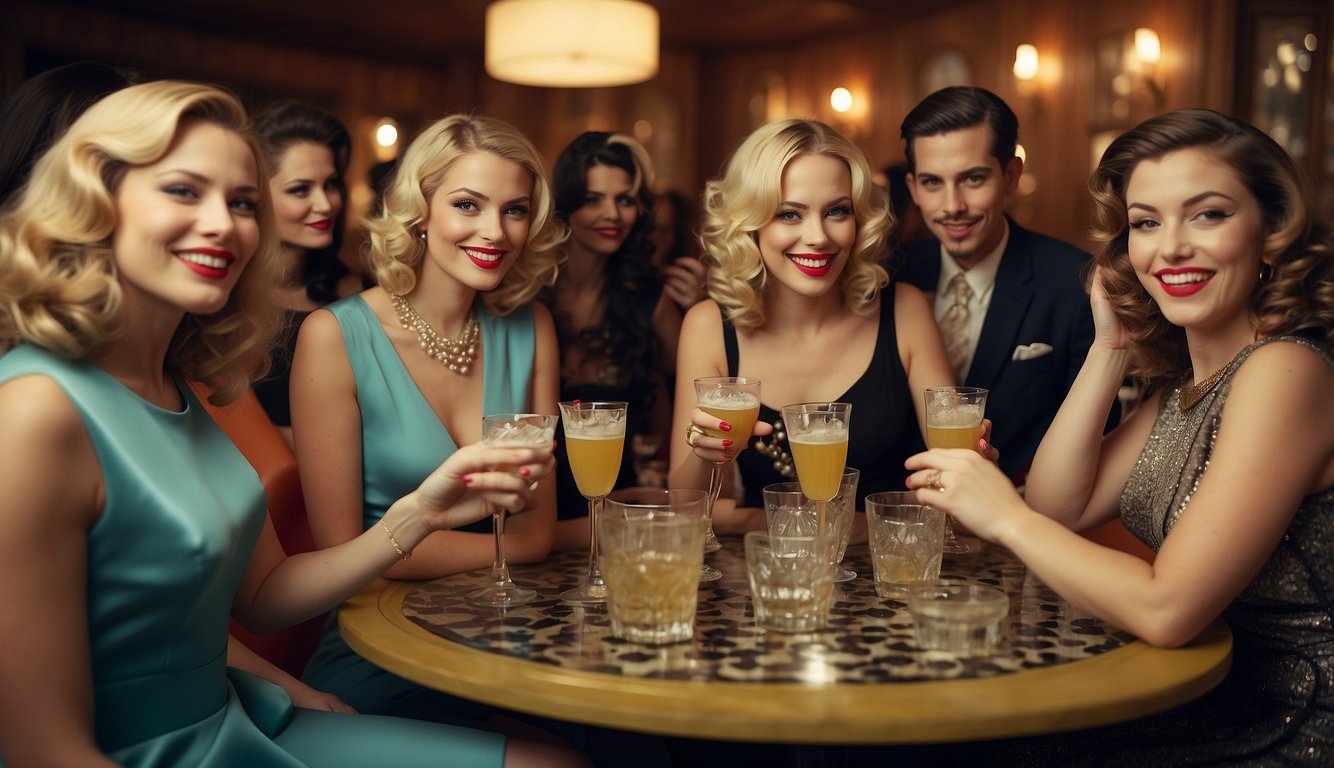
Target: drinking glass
[(791, 581), (906, 537), (653, 544), (788, 512), (594, 441), (817, 434), (954, 420), (518, 430), (735, 400)]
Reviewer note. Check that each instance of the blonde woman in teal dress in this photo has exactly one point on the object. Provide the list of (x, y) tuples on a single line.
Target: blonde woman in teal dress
[(140, 255), (1215, 287), (388, 382)]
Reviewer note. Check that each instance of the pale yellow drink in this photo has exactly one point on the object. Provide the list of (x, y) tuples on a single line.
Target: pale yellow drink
[(742, 420), (651, 594), (819, 460), (595, 462), (953, 437)]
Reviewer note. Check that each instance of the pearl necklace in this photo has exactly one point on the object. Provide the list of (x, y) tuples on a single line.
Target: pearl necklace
[(455, 354)]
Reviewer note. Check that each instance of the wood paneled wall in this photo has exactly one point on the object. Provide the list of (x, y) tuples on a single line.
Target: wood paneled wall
[(702, 104)]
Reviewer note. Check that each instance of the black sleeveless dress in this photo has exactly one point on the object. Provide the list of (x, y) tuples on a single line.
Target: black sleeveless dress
[(884, 430)]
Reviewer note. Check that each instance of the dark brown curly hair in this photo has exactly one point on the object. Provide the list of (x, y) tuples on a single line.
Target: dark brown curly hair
[(1296, 298)]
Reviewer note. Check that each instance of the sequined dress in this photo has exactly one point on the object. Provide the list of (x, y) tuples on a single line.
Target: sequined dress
[(1276, 707)]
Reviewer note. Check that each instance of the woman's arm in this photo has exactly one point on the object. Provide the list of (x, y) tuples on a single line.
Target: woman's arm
[(1077, 475), (1273, 448), (278, 591), (53, 494), (701, 354)]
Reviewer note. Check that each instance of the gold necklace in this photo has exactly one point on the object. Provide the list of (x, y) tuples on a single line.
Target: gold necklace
[(456, 354), (1193, 393)]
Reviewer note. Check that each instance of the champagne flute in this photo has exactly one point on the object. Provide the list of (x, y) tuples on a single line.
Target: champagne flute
[(594, 441), (954, 420), (735, 400), (817, 434), (517, 430)]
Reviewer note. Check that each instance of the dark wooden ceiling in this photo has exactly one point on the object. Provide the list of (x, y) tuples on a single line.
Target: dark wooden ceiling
[(418, 31)]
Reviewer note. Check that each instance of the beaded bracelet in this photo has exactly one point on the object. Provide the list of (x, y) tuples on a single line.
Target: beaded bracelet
[(394, 542)]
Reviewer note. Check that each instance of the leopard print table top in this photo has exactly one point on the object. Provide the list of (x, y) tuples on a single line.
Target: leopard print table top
[(868, 640)]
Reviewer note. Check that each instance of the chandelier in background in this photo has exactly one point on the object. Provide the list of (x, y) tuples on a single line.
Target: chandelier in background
[(571, 43)]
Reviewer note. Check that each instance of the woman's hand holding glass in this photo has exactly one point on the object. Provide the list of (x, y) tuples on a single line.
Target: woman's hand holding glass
[(503, 476), (967, 485)]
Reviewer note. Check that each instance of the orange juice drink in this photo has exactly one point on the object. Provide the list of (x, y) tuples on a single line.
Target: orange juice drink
[(595, 462), (953, 437), (741, 418), (819, 459)]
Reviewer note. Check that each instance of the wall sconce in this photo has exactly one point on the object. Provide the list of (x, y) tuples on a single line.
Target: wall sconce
[(571, 43), (386, 139), (1142, 57), (1026, 65), (850, 112)]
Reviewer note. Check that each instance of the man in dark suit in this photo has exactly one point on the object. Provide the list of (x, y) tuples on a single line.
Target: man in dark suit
[(1010, 303)]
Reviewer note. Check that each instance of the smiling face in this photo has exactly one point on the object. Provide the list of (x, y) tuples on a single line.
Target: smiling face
[(1195, 240), (961, 188), (805, 246), (479, 219), (306, 195), (188, 224), (602, 224)]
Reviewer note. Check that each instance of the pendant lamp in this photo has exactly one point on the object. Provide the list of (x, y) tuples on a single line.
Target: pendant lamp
[(571, 43)]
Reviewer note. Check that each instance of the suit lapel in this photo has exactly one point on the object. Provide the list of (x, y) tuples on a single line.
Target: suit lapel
[(1009, 303)]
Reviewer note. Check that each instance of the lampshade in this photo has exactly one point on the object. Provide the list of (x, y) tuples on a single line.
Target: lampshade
[(571, 43)]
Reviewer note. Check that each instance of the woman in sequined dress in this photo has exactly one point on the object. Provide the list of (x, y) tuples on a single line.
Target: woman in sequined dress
[(1215, 289)]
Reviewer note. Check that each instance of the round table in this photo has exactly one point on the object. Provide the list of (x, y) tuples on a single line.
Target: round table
[(863, 681)]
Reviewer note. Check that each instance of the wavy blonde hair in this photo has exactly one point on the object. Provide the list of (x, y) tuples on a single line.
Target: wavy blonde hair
[(1296, 298), (737, 205), (396, 253), (59, 287)]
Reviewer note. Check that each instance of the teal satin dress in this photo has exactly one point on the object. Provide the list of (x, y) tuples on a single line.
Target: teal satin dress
[(402, 442), (183, 511)]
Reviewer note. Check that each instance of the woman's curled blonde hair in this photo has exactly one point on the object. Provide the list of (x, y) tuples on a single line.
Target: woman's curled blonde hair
[(746, 198), (58, 280), (396, 252)]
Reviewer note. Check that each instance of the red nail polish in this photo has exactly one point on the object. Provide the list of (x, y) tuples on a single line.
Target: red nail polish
[(467, 479), (727, 443), (525, 472), (724, 426)]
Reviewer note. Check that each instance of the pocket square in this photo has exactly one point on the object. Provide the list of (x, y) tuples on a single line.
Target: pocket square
[(1030, 351)]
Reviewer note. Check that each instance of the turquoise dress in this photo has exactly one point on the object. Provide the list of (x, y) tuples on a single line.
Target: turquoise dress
[(183, 511), (403, 441)]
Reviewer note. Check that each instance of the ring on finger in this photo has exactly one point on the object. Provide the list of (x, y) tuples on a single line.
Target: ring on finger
[(690, 435), (934, 480)]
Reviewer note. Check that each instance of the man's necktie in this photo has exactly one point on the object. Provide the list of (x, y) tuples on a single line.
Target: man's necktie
[(954, 325)]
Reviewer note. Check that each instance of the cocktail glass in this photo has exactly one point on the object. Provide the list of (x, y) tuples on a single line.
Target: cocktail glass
[(817, 434), (594, 441), (735, 400), (520, 430)]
